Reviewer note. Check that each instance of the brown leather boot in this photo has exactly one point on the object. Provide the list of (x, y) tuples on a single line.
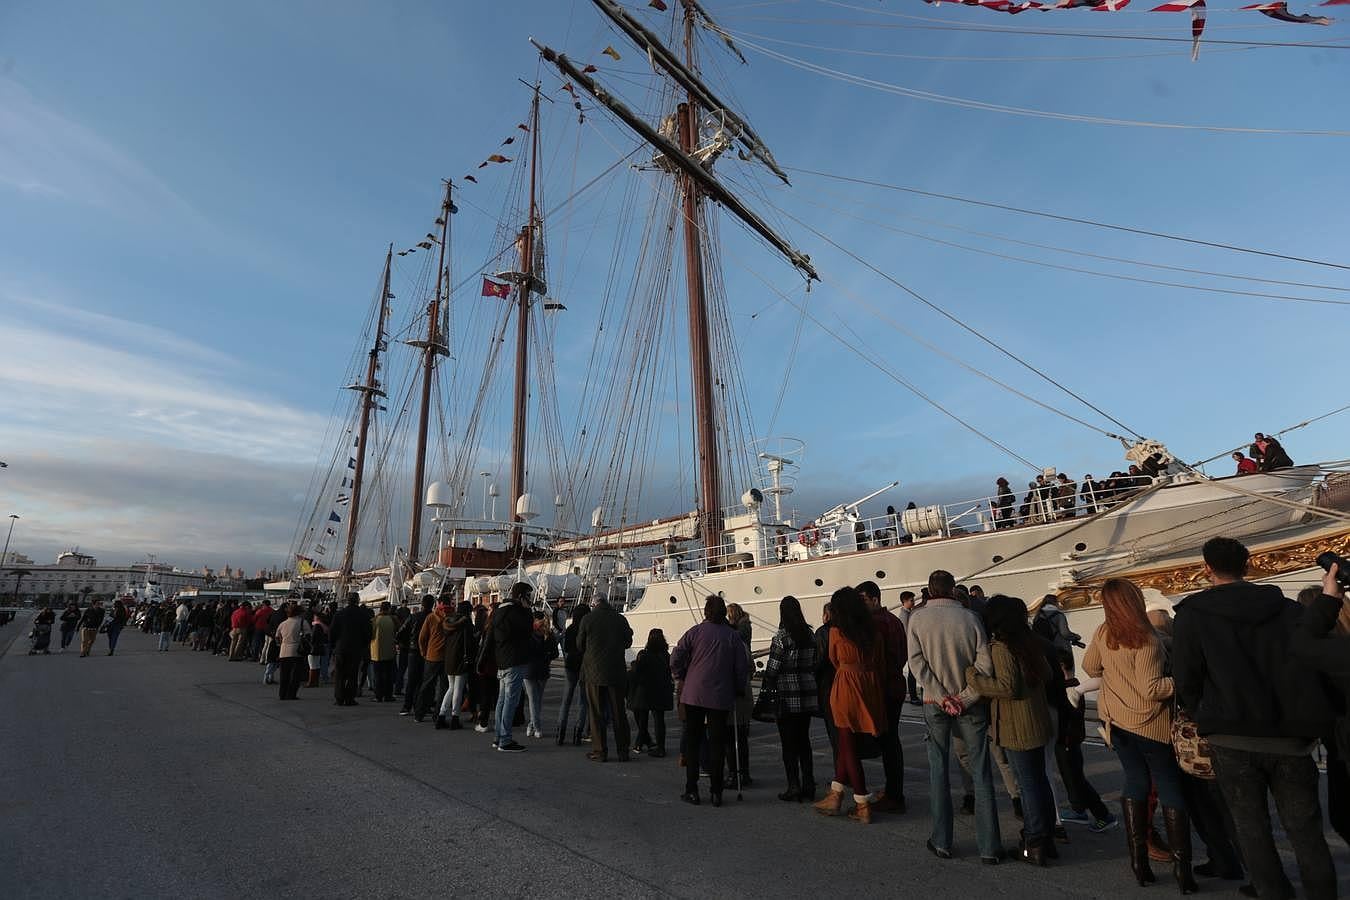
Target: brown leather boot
[(862, 810), (832, 802), (1135, 815), (1179, 838)]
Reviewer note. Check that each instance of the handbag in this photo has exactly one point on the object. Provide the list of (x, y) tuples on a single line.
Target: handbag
[(768, 704), (1194, 755)]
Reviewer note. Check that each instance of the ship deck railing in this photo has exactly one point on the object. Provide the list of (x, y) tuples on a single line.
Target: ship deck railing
[(844, 532)]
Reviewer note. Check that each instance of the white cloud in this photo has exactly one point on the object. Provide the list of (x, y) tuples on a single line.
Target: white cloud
[(166, 389), (43, 152)]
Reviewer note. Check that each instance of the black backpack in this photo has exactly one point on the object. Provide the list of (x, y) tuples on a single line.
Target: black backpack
[(1043, 626)]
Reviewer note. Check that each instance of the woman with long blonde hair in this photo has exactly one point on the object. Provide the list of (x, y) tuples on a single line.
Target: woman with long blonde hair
[(1136, 714)]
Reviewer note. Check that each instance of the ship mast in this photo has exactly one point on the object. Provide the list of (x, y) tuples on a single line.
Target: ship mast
[(431, 348), (700, 354), (525, 286), (692, 167), (369, 391)]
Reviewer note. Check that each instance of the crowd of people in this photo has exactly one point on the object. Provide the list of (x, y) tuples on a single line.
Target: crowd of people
[(1060, 497), (1210, 706)]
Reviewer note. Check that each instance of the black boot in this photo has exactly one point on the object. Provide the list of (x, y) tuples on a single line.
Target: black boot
[(1179, 839), (1135, 814), (576, 737), (1035, 852)]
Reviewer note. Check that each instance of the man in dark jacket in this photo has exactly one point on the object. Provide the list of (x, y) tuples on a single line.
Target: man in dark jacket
[(409, 631), (892, 754), (602, 639), (512, 625), (351, 642), (1262, 710)]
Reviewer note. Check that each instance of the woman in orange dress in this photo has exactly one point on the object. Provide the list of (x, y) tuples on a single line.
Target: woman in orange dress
[(857, 703)]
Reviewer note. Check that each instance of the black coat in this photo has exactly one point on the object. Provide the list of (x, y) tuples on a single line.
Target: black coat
[(512, 626), (1234, 667), (571, 655), (350, 634), (459, 648), (602, 639), (542, 654), (651, 686)]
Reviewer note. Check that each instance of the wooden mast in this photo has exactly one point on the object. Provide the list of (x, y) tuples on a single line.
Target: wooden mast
[(432, 347), (700, 354), (370, 390), (524, 288)]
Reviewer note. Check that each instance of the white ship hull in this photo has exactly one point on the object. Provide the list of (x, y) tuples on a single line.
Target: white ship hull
[(1165, 528)]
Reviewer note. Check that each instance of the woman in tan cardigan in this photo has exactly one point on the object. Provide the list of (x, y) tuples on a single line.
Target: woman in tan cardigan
[(1019, 717), (1134, 706)]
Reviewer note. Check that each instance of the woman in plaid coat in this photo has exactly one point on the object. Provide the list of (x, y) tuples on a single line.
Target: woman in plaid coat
[(791, 671)]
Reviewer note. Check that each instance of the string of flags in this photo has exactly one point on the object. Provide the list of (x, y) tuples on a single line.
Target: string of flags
[(1277, 10)]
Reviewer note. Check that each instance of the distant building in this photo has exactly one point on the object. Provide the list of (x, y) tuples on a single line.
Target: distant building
[(15, 559), (74, 572)]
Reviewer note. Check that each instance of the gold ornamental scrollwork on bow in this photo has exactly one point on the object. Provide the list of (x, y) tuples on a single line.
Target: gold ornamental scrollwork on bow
[(1191, 577)]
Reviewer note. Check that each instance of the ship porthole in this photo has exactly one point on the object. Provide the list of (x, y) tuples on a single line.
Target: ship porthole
[(758, 589), (673, 600), (819, 583), (722, 594), (880, 575), (997, 559), (1080, 546)]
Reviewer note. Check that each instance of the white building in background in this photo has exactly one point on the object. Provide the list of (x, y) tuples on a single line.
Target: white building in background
[(75, 571)]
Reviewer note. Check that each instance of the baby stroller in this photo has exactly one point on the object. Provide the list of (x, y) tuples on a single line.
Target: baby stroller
[(41, 636)]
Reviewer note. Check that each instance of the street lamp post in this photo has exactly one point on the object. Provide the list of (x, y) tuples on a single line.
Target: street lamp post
[(5, 555)]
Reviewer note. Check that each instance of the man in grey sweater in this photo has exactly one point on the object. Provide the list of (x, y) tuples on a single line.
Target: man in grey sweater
[(945, 639)]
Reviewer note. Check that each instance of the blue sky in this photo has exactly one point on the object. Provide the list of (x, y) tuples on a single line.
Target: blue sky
[(196, 201)]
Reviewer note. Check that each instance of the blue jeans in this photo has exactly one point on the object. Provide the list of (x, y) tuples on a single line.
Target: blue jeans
[(583, 711), (973, 727), (164, 637), (454, 695), (114, 632), (1038, 803), (509, 683), (1146, 762), (534, 692)]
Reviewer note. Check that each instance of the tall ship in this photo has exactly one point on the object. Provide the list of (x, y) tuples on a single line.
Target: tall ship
[(514, 420)]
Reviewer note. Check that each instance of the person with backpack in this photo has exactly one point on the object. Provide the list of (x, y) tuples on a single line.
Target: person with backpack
[(1051, 624)]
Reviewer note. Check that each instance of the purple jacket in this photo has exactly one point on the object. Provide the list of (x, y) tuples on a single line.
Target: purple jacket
[(712, 662)]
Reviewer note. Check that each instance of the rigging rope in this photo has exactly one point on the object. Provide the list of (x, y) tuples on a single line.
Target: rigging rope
[(965, 327), (968, 103), (1076, 252), (1078, 221), (1262, 295)]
